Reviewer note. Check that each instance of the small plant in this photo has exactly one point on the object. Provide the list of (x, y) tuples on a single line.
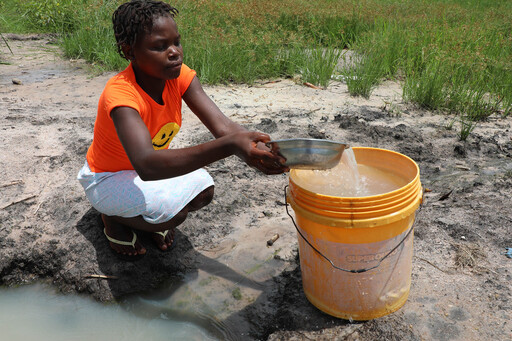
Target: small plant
[(392, 108), (237, 294), (362, 76), (467, 125), (320, 65), (449, 125)]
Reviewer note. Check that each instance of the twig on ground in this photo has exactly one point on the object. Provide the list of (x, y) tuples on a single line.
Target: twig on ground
[(486, 268), (312, 86), (18, 201), (445, 196), (12, 183), (435, 266), (6, 43), (101, 276), (42, 198), (270, 82), (38, 207)]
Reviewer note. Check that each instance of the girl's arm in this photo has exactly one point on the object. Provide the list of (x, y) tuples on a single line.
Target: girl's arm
[(231, 139), (208, 112), (151, 164), (219, 125)]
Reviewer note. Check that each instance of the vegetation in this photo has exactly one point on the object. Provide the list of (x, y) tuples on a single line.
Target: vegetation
[(450, 55)]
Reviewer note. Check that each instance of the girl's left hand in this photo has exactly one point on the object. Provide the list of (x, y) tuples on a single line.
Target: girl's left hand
[(255, 153), (273, 165)]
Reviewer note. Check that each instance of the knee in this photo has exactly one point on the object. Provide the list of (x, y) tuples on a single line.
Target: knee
[(202, 199), (180, 217)]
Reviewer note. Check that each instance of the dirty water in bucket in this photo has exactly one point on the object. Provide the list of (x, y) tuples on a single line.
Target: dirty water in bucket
[(355, 236), (349, 179), (37, 312)]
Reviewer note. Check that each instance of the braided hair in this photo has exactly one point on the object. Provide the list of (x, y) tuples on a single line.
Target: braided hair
[(136, 17)]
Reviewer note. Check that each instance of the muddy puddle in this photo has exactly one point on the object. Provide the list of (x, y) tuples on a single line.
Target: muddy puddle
[(36, 76), (52, 316), (200, 304)]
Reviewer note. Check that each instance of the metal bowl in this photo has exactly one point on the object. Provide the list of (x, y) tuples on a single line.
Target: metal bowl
[(309, 153)]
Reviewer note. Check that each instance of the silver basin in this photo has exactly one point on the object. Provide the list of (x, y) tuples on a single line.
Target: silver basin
[(309, 153)]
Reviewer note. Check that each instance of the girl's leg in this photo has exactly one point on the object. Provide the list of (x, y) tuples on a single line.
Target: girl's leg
[(122, 194), (116, 226)]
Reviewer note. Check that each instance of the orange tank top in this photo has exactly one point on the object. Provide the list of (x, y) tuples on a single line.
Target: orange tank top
[(106, 153)]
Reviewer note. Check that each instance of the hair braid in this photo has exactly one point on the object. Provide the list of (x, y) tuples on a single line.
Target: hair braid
[(135, 17)]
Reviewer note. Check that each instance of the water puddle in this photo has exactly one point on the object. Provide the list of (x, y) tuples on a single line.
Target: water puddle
[(35, 76), (37, 313), (227, 280), (206, 303)]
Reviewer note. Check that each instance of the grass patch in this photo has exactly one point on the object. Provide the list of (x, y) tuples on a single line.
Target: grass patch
[(94, 40), (426, 86), (237, 294), (363, 75), (450, 55), (319, 66)]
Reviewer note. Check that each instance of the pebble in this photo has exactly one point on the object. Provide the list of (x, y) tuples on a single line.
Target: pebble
[(17, 81)]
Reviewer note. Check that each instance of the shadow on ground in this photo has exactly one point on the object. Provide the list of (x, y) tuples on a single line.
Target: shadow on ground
[(282, 306)]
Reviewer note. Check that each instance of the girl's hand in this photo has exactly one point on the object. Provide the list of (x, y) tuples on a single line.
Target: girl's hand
[(250, 147)]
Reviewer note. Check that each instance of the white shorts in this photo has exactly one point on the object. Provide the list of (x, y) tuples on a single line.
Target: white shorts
[(124, 194)]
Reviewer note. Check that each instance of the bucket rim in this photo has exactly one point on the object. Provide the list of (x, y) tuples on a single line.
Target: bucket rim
[(356, 212), (360, 216), (374, 197), (345, 202), (358, 223)]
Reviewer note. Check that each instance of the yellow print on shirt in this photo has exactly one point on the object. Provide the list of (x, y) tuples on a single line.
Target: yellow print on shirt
[(165, 135)]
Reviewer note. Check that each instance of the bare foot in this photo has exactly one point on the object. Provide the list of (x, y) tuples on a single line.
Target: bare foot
[(118, 232), (163, 243)]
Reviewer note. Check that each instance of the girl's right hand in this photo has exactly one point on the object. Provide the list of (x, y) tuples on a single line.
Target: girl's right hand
[(250, 147)]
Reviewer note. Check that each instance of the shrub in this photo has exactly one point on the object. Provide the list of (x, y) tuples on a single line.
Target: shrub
[(50, 15)]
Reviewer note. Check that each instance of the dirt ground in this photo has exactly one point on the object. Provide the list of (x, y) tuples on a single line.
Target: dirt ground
[(461, 277)]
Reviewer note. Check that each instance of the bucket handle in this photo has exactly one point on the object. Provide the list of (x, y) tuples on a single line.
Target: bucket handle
[(330, 261)]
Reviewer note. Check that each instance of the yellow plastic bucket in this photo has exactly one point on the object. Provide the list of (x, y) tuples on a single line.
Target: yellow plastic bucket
[(356, 253)]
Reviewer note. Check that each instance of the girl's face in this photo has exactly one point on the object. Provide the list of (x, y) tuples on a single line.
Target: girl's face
[(159, 53)]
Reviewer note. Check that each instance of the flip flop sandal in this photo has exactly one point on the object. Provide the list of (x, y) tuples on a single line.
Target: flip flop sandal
[(122, 242), (164, 234)]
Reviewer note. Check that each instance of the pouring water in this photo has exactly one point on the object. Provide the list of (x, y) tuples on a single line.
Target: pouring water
[(349, 179)]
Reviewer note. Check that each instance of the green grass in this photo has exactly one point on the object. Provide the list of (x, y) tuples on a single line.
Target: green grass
[(362, 74), (320, 65), (450, 55), (94, 41)]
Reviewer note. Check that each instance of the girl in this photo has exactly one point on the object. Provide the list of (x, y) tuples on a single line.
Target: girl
[(130, 175)]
